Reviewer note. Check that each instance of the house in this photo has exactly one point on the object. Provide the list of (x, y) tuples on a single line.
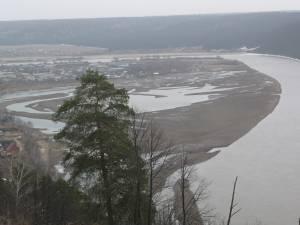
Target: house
[(8, 148), (12, 149)]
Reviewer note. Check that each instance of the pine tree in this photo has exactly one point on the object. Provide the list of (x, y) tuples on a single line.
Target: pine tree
[(99, 147)]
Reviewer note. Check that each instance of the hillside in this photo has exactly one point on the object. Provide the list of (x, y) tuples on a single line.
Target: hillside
[(275, 33)]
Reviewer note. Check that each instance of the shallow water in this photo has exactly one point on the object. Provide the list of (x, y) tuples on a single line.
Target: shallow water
[(35, 93), (46, 126), (152, 100), (171, 98), (267, 159), (25, 106)]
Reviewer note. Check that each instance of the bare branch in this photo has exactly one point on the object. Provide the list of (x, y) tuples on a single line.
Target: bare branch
[(232, 211)]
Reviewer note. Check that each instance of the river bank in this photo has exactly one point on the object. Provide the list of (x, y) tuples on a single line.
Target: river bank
[(267, 158)]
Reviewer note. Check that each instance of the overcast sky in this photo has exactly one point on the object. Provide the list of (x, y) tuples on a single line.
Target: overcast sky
[(58, 9)]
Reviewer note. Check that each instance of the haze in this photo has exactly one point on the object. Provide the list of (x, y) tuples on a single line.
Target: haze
[(60, 9)]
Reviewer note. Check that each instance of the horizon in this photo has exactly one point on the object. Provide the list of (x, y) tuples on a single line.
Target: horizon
[(149, 16), (17, 10)]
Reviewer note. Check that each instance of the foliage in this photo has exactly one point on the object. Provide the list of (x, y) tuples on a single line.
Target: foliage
[(28, 197), (100, 149)]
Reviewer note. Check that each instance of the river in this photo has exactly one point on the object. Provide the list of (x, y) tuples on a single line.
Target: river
[(267, 159)]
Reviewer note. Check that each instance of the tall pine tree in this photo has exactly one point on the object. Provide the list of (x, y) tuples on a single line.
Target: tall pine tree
[(99, 147)]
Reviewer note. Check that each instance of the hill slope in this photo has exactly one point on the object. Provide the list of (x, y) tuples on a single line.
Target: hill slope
[(275, 33)]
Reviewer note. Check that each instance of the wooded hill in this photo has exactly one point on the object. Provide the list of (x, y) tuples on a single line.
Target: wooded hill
[(274, 32)]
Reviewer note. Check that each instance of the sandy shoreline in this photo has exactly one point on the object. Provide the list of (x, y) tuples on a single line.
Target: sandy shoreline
[(206, 125)]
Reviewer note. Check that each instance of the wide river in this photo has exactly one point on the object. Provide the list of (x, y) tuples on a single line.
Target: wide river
[(267, 159)]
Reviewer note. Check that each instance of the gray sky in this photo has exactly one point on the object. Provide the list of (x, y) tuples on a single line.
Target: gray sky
[(54, 9)]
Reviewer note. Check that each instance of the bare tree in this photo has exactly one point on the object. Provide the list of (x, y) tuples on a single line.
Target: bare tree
[(186, 201), (19, 178), (232, 210), (151, 145), (157, 149), (138, 134), (184, 172), (165, 215)]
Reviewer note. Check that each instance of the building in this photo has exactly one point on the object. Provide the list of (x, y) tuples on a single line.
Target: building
[(8, 148)]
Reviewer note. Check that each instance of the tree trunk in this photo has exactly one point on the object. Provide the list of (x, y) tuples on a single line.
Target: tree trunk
[(150, 178), (35, 200), (150, 194), (107, 191), (137, 207), (137, 211), (183, 198), (232, 204)]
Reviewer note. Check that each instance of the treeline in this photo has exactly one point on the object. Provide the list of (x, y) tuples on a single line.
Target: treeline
[(29, 197), (273, 33)]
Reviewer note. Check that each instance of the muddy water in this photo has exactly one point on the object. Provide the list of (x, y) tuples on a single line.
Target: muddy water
[(267, 159)]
